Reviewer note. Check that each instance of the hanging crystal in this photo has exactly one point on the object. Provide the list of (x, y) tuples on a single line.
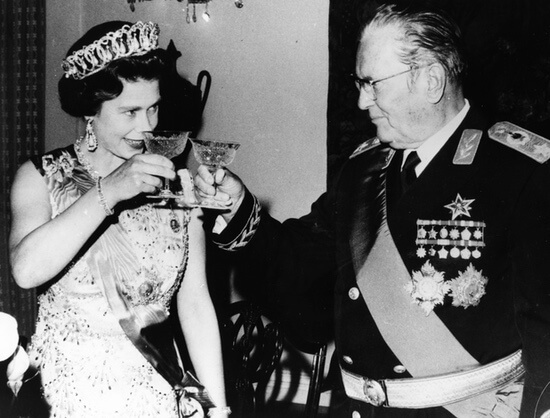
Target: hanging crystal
[(205, 15)]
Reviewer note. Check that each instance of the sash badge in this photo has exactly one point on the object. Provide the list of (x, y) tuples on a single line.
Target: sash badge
[(428, 287)]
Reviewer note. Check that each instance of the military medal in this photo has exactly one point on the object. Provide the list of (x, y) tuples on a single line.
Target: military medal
[(455, 252), (460, 207), (428, 287), (453, 238), (449, 239), (468, 288)]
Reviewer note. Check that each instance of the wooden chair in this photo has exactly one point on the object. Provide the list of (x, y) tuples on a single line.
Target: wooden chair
[(253, 348), (319, 352), (316, 381)]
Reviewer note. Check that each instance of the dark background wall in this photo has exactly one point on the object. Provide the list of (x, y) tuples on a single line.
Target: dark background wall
[(508, 48)]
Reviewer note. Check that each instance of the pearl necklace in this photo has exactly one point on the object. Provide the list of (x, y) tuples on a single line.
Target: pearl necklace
[(84, 161)]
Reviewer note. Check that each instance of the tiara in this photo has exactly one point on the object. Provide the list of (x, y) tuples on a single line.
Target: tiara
[(134, 40)]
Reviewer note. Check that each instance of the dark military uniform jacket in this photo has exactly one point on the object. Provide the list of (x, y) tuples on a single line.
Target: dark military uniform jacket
[(306, 265)]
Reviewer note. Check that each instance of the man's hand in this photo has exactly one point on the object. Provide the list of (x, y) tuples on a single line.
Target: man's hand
[(222, 186)]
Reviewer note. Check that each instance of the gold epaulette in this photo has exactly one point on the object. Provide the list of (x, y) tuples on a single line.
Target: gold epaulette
[(365, 146), (522, 140)]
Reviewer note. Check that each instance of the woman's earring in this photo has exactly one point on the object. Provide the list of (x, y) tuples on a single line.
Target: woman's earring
[(91, 140)]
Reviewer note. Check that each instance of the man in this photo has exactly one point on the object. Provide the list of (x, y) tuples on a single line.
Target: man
[(438, 267)]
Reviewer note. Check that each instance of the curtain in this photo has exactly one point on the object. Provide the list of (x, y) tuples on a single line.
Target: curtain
[(22, 67)]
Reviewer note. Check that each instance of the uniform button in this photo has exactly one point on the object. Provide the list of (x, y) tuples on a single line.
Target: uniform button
[(399, 369), (353, 293), (355, 414), (347, 359)]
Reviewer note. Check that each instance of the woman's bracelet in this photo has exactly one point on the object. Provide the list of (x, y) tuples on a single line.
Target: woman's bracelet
[(106, 208), (219, 410)]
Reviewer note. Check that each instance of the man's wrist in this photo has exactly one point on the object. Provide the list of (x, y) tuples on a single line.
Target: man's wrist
[(243, 225), (229, 215)]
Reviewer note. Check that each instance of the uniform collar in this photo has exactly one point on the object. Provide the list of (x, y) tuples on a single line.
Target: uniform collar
[(433, 144)]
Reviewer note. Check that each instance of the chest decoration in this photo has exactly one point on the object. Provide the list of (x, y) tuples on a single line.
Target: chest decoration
[(443, 239), (455, 238), (174, 222), (58, 167), (428, 287)]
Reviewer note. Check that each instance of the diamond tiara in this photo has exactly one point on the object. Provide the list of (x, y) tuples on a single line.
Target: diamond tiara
[(134, 40)]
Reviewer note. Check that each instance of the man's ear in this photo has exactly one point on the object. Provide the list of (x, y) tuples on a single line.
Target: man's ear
[(437, 81)]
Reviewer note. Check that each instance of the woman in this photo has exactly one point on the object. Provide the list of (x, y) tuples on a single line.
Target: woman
[(110, 260)]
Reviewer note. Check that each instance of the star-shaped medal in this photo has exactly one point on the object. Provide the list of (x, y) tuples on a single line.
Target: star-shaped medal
[(460, 207)]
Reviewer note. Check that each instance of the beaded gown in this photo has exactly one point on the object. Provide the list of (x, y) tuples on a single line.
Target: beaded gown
[(89, 367)]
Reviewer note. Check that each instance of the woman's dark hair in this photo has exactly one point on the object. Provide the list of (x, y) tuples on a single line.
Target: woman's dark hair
[(84, 97)]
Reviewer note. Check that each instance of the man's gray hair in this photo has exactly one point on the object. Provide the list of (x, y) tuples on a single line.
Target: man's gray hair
[(427, 37)]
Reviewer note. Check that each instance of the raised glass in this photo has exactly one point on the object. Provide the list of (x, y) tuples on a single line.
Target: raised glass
[(213, 154), (169, 144)]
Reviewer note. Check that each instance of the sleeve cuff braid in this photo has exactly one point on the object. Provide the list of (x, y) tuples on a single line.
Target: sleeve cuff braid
[(242, 228)]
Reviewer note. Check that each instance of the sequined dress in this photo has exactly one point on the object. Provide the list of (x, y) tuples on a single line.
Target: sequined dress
[(89, 367)]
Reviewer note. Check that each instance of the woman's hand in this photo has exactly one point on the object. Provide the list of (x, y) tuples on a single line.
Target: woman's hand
[(143, 173), (40, 244)]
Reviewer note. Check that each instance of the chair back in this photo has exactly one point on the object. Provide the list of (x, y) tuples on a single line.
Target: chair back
[(253, 346)]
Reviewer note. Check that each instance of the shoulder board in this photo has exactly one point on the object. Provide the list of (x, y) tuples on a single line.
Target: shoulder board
[(522, 140), (365, 146), (467, 147)]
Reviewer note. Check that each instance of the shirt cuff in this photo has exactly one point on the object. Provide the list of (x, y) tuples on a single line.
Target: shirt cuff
[(219, 225)]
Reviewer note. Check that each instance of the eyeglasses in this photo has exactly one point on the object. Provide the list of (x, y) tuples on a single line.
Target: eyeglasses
[(369, 86)]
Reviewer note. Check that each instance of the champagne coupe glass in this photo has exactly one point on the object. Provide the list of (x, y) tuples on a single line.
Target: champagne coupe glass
[(213, 154), (169, 144)]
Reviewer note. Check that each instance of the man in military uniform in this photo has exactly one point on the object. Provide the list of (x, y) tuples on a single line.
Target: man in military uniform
[(433, 243)]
